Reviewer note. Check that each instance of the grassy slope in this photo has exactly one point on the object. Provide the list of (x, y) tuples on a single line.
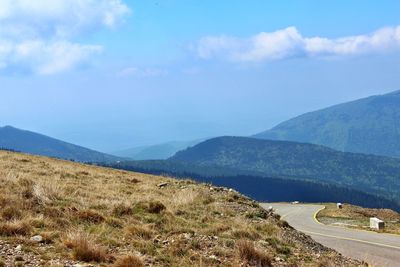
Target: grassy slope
[(358, 217), (96, 214), (38, 144), (368, 125)]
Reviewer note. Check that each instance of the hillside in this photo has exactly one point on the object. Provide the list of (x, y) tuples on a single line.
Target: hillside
[(370, 125), (369, 173), (260, 187), (60, 213), (358, 217), (159, 151), (38, 144)]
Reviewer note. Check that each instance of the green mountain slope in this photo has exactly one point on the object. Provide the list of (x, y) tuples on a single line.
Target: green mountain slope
[(37, 144), (373, 174), (370, 125)]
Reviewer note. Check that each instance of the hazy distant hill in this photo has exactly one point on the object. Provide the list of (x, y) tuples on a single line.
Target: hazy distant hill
[(159, 151), (370, 173), (370, 125), (34, 143)]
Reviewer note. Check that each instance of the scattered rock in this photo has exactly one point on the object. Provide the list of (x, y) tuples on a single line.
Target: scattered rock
[(18, 248), (37, 238), (162, 185)]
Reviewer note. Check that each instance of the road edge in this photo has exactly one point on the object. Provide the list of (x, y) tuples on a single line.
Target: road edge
[(342, 227)]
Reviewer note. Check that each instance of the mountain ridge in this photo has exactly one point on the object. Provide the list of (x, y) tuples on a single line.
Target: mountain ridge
[(38, 144), (371, 173), (369, 125)]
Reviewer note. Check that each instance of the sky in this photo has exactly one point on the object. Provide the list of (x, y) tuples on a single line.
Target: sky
[(115, 74)]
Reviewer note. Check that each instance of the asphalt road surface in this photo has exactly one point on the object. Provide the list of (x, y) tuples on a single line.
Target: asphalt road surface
[(379, 250)]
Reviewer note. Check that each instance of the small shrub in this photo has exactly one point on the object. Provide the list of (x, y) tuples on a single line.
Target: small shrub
[(15, 228), (2, 263), (129, 261), (90, 216), (249, 254), (155, 207)]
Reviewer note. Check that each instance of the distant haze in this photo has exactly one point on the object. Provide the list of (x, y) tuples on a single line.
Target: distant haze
[(122, 74)]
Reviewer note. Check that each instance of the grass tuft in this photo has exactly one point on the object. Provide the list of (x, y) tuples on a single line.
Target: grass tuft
[(90, 216), (249, 254), (129, 261), (85, 251), (155, 207), (122, 210), (11, 213), (15, 228), (139, 231)]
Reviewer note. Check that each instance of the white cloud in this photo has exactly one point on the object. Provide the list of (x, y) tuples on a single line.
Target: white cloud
[(289, 42), (38, 36), (141, 72)]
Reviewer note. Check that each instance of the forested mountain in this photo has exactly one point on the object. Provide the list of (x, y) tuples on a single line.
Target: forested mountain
[(369, 173), (370, 125), (33, 143)]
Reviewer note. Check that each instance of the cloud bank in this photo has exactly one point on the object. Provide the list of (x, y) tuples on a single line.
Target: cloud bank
[(38, 36), (289, 43)]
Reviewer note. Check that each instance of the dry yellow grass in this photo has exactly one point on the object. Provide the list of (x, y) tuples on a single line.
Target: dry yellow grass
[(358, 217), (100, 215)]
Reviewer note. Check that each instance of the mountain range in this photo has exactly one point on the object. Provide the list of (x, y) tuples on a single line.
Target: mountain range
[(348, 151), (370, 125), (33, 143), (158, 151), (369, 173)]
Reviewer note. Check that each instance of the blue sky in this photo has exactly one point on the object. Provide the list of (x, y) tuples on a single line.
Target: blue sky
[(113, 74)]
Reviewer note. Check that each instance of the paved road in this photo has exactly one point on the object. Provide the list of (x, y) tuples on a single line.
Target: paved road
[(379, 250)]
